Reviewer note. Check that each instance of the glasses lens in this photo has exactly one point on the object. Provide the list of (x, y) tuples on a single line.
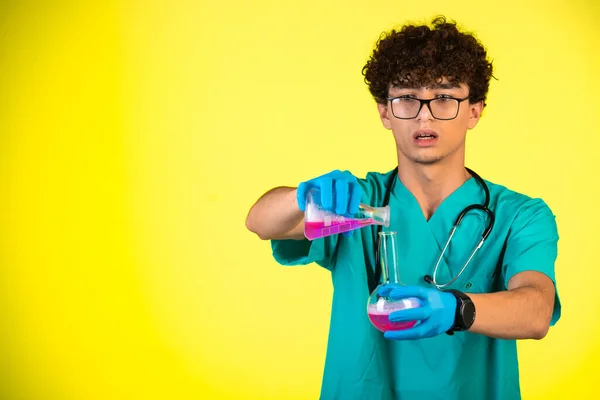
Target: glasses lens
[(405, 107), (444, 108)]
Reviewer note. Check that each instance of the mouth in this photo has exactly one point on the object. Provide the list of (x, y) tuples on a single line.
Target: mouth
[(425, 134), (425, 137)]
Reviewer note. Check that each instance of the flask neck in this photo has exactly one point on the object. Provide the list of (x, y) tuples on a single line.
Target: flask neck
[(388, 258)]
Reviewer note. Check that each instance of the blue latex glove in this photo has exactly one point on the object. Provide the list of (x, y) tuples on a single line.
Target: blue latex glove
[(436, 314), (340, 193)]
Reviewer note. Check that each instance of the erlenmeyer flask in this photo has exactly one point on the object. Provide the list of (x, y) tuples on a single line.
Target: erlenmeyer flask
[(319, 223), (380, 307)]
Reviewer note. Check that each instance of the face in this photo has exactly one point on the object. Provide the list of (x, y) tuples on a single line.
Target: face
[(427, 139)]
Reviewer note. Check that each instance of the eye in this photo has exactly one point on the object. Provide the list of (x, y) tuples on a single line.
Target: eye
[(406, 98), (443, 96)]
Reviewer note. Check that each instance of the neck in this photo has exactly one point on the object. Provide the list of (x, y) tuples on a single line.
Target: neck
[(430, 184)]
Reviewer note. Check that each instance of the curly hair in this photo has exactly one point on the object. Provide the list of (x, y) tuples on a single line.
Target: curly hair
[(418, 56)]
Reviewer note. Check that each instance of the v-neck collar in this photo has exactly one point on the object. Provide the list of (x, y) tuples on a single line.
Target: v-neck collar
[(459, 197)]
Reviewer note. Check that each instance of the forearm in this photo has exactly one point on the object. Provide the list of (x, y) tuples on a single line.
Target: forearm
[(276, 215), (520, 313)]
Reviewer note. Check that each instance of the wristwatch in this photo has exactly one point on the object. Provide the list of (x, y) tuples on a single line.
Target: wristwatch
[(465, 312)]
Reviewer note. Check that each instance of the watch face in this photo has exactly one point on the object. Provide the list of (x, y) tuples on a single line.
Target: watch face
[(465, 311), (468, 313)]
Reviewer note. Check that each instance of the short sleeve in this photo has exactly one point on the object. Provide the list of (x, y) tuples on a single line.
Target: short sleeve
[(532, 245), (290, 252)]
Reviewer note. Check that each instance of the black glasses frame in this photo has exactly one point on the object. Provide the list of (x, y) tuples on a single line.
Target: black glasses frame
[(421, 101)]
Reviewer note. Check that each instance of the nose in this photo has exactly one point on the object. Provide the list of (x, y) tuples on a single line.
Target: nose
[(425, 113)]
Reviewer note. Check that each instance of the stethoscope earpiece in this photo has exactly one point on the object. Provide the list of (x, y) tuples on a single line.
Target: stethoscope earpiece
[(428, 278)]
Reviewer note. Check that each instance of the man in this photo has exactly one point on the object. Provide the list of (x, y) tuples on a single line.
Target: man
[(430, 85)]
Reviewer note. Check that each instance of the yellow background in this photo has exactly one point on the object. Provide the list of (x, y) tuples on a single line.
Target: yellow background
[(135, 136)]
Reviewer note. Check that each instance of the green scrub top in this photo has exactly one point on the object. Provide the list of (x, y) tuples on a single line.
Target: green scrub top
[(360, 363)]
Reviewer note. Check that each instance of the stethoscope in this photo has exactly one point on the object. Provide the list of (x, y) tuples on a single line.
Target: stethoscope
[(374, 276)]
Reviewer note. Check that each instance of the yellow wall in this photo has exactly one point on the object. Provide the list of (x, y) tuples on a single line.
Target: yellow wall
[(134, 138)]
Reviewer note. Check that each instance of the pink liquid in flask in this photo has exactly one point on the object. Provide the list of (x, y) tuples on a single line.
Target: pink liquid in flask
[(317, 229), (380, 318), (319, 222)]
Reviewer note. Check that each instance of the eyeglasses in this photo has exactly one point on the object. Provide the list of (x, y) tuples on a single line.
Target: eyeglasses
[(443, 108)]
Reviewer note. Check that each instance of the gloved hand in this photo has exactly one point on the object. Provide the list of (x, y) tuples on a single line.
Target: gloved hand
[(436, 314), (340, 193)]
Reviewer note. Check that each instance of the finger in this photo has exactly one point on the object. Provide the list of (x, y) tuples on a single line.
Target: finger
[(402, 292), (411, 314), (420, 331), (355, 197), (327, 194), (341, 197), (385, 290)]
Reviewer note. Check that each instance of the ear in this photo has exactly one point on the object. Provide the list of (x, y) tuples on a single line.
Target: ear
[(384, 115), (475, 110)]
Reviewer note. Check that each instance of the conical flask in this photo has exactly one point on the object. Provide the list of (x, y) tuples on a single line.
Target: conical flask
[(319, 222), (380, 307)]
